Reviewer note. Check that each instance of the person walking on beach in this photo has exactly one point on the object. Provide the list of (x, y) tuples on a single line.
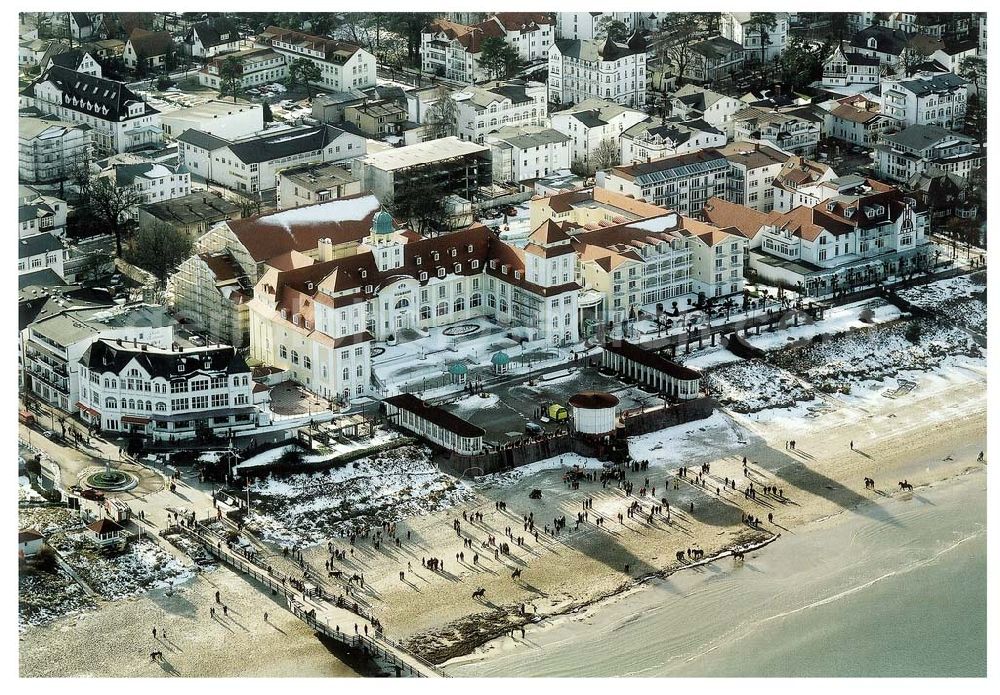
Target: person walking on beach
[(852, 445), (154, 633)]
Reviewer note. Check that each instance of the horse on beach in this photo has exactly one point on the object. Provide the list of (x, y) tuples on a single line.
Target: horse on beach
[(479, 593)]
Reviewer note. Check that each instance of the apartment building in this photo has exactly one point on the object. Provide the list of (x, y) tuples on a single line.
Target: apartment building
[(793, 131), (692, 102), (221, 118), (592, 25), (846, 69), (49, 150), (926, 99), (593, 122), (168, 394), (257, 66), (752, 170), (154, 182), (527, 153), (251, 164), (315, 183), (912, 151), (857, 120), (683, 182), (654, 139), (486, 109), (583, 68), (212, 37), (342, 65), (713, 59), (739, 27), (799, 183), (120, 120), (39, 214)]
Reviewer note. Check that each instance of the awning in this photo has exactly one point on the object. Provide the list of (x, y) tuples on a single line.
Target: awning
[(132, 420), (89, 411)]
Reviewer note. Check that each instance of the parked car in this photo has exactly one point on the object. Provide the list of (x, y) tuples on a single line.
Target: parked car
[(533, 428), (95, 495)]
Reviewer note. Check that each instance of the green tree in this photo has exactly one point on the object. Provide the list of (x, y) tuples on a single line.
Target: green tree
[(763, 23), (409, 25), (973, 68), (498, 58), (266, 112), (231, 77), (158, 248), (421, 203), (800, 64), (113, 207), (304, 71), (617, 31)]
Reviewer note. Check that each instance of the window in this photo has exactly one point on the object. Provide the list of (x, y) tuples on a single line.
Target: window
[(199, 402), (459, 305), (346, 373), (442, 309), (360, 370), (282, 352), (199, 385), (295, 357), (307, 362), (161, 406), (475, 301), (219, 382), (110, 403), (220, 400)]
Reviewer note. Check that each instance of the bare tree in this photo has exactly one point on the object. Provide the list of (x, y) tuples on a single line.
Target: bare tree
[(442, 116), (113, 207), (606, 155)]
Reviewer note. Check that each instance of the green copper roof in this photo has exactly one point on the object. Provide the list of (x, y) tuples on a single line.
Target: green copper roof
[(382, 224), (458, 368), (500, 358)]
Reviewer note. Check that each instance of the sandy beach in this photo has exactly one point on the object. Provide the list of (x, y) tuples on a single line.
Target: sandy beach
[(930, 434)]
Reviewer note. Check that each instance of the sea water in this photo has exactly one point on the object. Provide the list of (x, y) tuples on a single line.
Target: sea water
[(893, 588)]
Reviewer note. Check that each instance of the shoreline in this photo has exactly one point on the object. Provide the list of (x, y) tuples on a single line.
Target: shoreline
[(481, 652)]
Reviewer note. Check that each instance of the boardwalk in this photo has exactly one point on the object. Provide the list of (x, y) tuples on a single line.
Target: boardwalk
[(338, 619)]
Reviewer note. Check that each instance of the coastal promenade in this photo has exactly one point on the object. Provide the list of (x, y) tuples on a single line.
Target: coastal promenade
[(323, 613)]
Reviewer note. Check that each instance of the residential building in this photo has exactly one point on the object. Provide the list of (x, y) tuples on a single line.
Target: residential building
[(120, 120), (585, 26), (926, 99), (53, 344), (912, 151), (168, 394), (250, 165), (315, 183), (799, 183), (342, 65), (461, 166), (50, 150), (657, 139), (40, 252), (434, 423), (31, 51), (531, 33), (592, 123), (944, 195), (752, 170), (149, 48), (692, 102), (857, 120), (451, 50), (258, 66), (795, 131), (319, 321), (212, 288), (739, 27), (883, 43), (192, 214), (212, 37), (713, 59), (484, 110), (39, 214), (846, 69), (526, 153), (377, 119), (862, 233), (580, 69), (590, 208), (75, 59), (83, 25), (154, 182), (329, 108), (223, 119), (683, 182)]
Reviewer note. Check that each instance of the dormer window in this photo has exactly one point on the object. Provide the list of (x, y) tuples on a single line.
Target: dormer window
[(517, 274), (436, 255), (454, 252), (364, 273), (423, 276), (475, 265), (419, 260), (440, 272), (458, 267), (470, 248)]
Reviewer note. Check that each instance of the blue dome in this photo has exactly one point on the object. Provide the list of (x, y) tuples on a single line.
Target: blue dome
[(458, 369), (500, 358), (382, 224)]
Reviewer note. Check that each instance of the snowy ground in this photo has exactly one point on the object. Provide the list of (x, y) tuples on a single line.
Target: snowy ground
[(960, 299), (142, 566), (45, 592), (874, 353), (382, 436), (304, 509), (746, 387), (26, 493)]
